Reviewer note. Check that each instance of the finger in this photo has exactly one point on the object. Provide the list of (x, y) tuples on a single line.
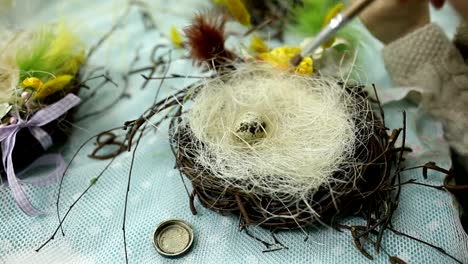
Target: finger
[(438, 3), (435, 3)]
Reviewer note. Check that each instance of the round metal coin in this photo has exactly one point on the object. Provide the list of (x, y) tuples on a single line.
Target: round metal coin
[(173, 237)]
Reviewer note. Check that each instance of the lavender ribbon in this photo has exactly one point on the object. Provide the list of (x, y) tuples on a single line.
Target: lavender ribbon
[(34, 124)]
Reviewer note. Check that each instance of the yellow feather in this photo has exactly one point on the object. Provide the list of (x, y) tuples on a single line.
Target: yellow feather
[(238, 11), (63, 42), (52, 86), (66, 45), (258, 45), (74, 63), (48, 51), (176, 38)]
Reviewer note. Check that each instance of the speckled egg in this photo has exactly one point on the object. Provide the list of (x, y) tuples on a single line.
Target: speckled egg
[(250, 127)]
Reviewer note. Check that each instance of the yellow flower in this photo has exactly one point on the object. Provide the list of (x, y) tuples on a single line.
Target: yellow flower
[(330, 15), (52, 86), (176, 38), (32, 82), (306, 67), (258, 45), (280, 57)]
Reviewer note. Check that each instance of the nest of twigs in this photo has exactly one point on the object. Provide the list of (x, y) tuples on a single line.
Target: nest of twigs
[(362, 191), (365, 189)]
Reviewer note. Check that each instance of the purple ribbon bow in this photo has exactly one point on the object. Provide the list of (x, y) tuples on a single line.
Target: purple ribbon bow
[(34, 124)]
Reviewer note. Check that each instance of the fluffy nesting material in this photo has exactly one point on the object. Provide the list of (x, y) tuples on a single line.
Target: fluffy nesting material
[(9, 72), (303, 131)]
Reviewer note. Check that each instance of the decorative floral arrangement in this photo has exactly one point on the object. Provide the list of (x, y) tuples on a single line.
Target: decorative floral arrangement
[(39, 82)]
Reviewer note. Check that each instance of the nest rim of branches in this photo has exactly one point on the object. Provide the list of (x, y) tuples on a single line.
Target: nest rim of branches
[(323, 206)]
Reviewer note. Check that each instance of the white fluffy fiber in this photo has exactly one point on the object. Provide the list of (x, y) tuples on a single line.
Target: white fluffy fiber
[(9, 73), (310, 131)]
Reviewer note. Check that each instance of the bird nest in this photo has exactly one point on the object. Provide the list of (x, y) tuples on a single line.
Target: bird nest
[(312, 149), (352, 188)]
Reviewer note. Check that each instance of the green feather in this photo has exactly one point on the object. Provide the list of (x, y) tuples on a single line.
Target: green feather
[(310, 17), (30, 57), (309, 20), (49, 52)]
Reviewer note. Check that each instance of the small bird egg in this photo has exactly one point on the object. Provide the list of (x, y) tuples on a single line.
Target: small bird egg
[(250, 127)]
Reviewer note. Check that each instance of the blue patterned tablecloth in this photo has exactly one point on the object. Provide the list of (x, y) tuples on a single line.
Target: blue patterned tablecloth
[(94, 227)]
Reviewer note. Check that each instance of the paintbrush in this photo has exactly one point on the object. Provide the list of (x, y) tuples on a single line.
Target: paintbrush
[(338, 22)]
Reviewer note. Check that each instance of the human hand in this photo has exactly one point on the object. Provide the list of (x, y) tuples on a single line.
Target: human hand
[(389, 20)]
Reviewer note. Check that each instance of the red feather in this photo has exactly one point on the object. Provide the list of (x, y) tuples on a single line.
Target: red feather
[(206, 39)]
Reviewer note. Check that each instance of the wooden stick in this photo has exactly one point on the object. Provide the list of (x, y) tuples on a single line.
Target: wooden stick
[(330, 30), (356, 8)]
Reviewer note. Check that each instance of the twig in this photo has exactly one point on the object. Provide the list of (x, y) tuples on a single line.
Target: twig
[(68, 166), (127, 192), (61, 221), (257, 27), (244, 213), (379, 104), (441, 250), (413, 181)]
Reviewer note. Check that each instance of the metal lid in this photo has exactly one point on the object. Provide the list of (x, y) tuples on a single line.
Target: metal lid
[(173, 237)]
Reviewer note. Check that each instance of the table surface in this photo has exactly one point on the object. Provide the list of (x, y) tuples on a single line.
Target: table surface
[(94, 226)]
